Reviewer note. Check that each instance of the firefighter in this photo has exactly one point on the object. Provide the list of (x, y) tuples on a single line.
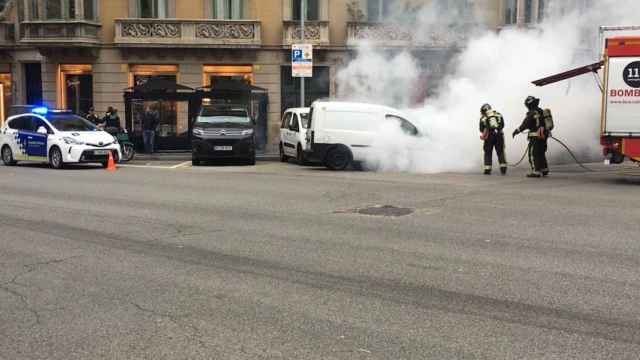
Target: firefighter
[(538, 135), (491, 125)]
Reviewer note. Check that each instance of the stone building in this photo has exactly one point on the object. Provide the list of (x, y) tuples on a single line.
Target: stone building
[(79, 54)]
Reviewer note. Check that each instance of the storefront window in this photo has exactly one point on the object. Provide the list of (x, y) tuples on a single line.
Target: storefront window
[(229, 9), (153, 9), (317, 87), (75, 88), (5, 92), (313, 9)]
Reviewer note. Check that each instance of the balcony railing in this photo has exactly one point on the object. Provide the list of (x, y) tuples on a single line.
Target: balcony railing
[(7, 34), (315, 32), (399, 35), (187, 33), (60, 32)]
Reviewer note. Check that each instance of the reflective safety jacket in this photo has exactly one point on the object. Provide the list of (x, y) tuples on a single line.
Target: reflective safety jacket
[(492, 121), (534, 122)]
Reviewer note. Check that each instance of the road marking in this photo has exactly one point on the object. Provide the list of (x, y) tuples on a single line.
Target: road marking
[(147, 166), (184, 164)]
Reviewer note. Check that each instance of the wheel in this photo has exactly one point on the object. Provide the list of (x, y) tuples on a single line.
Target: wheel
[(105, 164), (338, 158), (128, 152), (7, 156), (195, 162), (300, 156), (283, 157), (251, 160), (55, 158)]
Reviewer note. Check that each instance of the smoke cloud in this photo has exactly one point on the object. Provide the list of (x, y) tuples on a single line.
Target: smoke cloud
[(492, 67)]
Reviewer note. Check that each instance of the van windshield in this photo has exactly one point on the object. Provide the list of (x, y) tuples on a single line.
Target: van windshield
[(210, 115)]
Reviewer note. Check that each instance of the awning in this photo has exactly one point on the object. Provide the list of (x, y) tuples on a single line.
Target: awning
[(569, 74), (159, 85)]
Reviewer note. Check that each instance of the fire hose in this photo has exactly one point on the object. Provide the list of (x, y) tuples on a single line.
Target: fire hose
[(526, 151)]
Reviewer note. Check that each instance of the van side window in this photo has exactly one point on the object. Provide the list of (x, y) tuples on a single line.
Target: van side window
[(285, 120), (294, 123), (405, 125)]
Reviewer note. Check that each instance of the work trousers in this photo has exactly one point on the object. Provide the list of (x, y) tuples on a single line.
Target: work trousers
[(494, 141), (538, 156)]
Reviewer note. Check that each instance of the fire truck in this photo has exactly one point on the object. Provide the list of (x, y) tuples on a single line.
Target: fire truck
[(620, 85)]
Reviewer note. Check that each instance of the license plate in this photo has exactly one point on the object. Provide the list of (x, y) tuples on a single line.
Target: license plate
[(223, 148), (100, 152)]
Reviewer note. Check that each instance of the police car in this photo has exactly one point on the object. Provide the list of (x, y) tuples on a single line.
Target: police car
[(56, 137)]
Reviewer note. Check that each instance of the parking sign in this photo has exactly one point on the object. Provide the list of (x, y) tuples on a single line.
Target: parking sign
[(302, 60)]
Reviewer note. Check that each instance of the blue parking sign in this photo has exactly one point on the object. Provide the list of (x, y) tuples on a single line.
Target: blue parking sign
[(297, 55)]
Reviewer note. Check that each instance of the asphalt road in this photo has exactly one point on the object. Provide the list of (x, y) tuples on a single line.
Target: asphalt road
[(275, 262)]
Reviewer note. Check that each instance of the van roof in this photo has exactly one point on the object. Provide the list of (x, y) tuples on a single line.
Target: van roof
[(357, 106)]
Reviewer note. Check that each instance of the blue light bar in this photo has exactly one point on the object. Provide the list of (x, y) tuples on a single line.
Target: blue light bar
[(42, 110)]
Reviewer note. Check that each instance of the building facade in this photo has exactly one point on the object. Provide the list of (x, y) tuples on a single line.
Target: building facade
[(79, 54)]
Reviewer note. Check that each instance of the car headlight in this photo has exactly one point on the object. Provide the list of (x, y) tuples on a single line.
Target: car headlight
[(247, 132), (72, 141), (198, 131)]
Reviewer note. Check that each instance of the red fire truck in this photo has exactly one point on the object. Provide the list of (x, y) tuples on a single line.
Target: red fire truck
[(620, 85)]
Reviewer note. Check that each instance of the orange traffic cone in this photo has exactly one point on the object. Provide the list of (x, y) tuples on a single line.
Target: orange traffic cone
[(111, 165)]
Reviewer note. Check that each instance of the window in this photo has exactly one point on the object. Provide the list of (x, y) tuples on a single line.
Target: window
[(18, 123), (229, 9), (3, 3), (312, 7), (304, 118), (405, 125), (294, 124), (90, 9), (152, 9), (53, 9), (510, 12), (286, 119), (37, 123), (541, 10), (528, 11), (378, 10)]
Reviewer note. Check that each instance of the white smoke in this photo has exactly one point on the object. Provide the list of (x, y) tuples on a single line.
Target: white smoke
[(493, 67)]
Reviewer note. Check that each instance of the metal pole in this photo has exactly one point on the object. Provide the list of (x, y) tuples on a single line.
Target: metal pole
[(303, 13)]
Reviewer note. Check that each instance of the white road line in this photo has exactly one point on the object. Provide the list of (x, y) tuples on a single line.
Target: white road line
[(181, 165), (147, 166)]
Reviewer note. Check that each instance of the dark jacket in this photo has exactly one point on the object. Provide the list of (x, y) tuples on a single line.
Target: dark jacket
[(150, 121), (533, 121), (112, 120)]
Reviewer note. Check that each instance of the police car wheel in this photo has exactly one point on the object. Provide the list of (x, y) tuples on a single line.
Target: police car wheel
[(7, 156), (55, 158)]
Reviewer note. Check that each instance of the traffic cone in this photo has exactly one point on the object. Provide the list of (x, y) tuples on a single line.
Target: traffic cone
[(111, 165)]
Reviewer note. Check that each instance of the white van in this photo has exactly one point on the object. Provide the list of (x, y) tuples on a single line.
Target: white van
[(340, 133), (293, 130)]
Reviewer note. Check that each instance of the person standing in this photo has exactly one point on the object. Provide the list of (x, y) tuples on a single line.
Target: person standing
[(538, 135), (93, 117), (491, 126), (149, 125), (111, 119)]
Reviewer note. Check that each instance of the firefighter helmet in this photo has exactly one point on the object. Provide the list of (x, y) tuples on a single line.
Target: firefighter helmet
[(531, 102), (485, 108)]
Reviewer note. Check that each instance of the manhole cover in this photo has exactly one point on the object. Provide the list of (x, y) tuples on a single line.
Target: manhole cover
[(380, 210)]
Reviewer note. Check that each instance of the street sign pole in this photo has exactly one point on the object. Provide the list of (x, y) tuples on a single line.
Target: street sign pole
[(303, 12)]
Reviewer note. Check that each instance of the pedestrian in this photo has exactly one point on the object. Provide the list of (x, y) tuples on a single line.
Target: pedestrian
[(491, 126), (149, 125), (93, 117), (111, 118), (538, 135)]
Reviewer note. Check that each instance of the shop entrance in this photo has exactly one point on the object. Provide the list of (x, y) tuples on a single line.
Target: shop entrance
[(75, 88)]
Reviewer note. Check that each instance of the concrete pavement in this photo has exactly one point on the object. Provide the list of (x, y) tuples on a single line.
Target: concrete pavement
[(274, 262)]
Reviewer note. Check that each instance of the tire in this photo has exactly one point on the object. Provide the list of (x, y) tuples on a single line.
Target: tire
[(55, 158), (251, 161), (7, 156), (128, 152), (195, 162), (338, 158), (300, 156), (283, 158)]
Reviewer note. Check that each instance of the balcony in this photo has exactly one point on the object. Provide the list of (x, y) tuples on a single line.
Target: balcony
[(397, 35), (315, 32), (187, 33), (60, 33), (7, 34)]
